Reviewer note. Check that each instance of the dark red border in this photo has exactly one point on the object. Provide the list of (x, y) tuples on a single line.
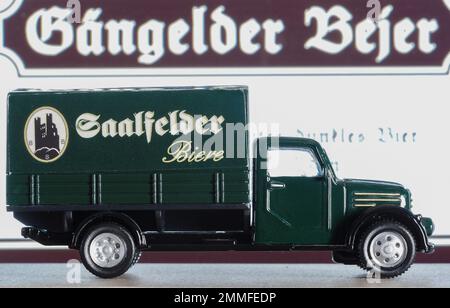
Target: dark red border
[(442, 255)]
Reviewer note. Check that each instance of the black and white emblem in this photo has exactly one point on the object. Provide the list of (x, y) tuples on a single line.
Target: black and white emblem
[(46, 134)]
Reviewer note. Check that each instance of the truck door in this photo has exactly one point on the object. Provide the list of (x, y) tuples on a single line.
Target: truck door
[(294, 191)]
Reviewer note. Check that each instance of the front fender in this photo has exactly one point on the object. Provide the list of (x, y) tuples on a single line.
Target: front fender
[(406, 217)]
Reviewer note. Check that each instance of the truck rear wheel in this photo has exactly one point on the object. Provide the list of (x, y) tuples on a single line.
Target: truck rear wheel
[(108, 250), (387, 248)]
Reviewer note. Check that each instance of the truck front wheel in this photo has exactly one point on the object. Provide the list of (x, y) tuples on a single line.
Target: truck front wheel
[(387, 248), (108, 250)]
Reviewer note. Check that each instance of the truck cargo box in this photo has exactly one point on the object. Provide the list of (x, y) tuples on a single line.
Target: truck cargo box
[(126, 147)]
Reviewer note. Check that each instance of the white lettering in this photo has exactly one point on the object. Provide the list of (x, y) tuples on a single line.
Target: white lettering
[(90, 34), (403, 31), (109, 129), (248, 32), (51, 32), (151, 42), (152, 39), (364, 31), (126, 128), (198, 21), (272, 29), (400, 35), (120, 37), (41, 27), (426, 29), (177, 31), (223, 32), (88, 125), (384, 26), (325, 28)]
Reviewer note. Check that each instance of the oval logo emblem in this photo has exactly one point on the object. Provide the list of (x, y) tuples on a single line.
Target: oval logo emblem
[(46, 134)]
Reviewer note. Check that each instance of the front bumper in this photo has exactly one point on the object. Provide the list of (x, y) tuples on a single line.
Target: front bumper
[(429, 228), (428, 224)]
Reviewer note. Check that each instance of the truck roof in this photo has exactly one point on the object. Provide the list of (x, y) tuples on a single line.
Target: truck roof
[(127, 89), (295, 140)]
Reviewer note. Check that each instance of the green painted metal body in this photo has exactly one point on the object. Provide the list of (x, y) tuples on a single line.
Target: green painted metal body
[(124, 170), (316, 211), (128, 170)]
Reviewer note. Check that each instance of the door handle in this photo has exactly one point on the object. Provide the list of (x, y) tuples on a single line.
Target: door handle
[(276, 185)]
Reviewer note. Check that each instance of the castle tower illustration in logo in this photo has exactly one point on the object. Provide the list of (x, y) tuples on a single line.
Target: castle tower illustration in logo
[(46, 138)]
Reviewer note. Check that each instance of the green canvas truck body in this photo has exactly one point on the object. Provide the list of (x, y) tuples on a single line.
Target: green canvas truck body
[(175, 169)]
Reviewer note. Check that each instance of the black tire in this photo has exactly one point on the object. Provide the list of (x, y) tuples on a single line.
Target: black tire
[(128, 256), (370, 261)]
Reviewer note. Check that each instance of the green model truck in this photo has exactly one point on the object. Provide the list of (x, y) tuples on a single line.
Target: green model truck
[(115, 172)]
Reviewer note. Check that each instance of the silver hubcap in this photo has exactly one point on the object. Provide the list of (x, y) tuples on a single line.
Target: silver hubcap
[(388, 249), (107, 250)]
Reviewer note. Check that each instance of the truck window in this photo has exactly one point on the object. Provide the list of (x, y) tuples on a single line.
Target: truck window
[(293, 163)]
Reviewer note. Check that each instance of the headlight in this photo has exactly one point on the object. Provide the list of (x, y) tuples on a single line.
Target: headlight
[(410, 198), (403, 201)]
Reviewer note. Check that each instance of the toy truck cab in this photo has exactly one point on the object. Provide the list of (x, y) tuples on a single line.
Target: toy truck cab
[(302, 202), (111, 173)]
